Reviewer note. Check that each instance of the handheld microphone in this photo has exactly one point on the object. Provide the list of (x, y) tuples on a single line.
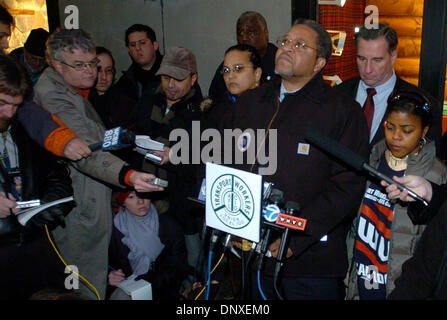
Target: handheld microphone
[(114, 139), (144, 146), (353, 159)]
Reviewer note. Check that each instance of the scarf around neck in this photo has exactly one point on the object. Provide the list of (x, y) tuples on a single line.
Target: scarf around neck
[(141, 237)]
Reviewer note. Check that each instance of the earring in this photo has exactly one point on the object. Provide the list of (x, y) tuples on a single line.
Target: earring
[(423, 142)]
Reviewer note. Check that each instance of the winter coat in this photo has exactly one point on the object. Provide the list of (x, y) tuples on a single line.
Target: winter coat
[(424, 275), (327, 191), (149, 118), (129, 86), (405, 234), (85, 239), (43, 177)]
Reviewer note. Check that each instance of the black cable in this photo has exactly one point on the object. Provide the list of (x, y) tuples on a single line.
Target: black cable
[(275, 285)]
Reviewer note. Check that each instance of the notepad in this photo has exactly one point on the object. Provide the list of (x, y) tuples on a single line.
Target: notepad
[(137, 290)]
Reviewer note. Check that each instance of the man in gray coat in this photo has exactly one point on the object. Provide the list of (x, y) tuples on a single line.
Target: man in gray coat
[(63, 89)]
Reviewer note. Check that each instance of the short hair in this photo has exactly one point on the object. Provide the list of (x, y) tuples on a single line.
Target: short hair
[(140, 28), (68, 40), (14, 79), (382, 30), (254, 57), (103, 50), (252, 14), (410, 102), (324, 42), (6, 17)]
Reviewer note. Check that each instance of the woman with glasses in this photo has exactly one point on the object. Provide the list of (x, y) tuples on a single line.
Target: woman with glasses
[(385, 234), (241, 71)]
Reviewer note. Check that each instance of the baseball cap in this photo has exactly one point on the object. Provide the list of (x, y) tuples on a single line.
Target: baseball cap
[(178, 63)]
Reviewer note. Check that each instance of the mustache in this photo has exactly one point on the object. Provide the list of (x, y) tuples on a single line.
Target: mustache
[(282, 54)]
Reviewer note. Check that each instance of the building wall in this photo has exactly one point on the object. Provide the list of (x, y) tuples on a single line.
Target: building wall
[(207, 27), (28, 15)]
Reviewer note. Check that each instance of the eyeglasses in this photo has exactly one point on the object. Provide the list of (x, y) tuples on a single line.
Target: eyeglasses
[(417, 99), (237, 68), (297, 44), (81, 66)]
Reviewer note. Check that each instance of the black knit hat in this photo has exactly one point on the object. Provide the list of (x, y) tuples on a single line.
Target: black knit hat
[(35, 44)]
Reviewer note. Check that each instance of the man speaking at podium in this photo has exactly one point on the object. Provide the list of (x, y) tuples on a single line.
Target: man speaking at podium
[(328, 192)]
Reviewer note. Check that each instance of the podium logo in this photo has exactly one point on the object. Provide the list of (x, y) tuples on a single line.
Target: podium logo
[(232, 201)]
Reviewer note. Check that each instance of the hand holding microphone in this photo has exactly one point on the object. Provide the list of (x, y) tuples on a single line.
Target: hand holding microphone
[(418, 184), (140, 182), (76, 149), (114, 139), (354, 160), (164, 155)]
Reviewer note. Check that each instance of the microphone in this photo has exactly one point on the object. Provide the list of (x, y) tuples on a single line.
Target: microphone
[(144, 146), (353, 159), (271, 214), (291, 208), (114, 139)]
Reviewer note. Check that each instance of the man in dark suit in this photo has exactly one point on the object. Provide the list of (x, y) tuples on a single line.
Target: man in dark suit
[(376, 54)]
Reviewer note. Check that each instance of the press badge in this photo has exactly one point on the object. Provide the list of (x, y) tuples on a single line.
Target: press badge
[(303, 148)]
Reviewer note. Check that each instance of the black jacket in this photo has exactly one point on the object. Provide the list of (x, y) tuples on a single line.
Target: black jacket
[(424, 276), (148, 119), (129, 85), (350, 87), (170, 267), (43, 177), (113, 106), (328, 191)]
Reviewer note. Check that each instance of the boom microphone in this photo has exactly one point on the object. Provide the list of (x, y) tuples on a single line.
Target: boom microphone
[(114, 139), (353, 159)]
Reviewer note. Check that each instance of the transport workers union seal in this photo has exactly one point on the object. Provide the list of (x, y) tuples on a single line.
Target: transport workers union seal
[(232, 201)]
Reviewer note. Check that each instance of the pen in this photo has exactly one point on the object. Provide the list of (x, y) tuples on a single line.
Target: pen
[(113, 269)]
